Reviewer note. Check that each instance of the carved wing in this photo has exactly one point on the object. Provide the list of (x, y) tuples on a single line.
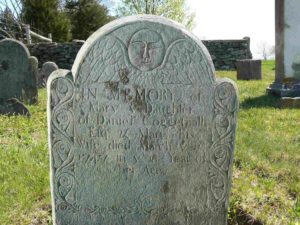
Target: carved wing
[(185, 64), (103, 62)]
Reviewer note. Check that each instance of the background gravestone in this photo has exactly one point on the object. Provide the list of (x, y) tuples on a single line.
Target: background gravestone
[(141, 132), (47, 69), (249, 69), (17, 72)]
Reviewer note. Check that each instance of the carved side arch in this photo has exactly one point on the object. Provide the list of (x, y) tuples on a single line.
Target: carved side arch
[(221, 151), (62, 139)]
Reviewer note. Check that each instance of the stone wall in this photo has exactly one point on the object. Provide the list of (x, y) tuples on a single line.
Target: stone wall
[(63, 54), (224, 53)]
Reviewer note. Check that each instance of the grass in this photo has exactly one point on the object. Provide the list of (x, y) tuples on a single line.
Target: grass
[(24, 167), (266, 175)]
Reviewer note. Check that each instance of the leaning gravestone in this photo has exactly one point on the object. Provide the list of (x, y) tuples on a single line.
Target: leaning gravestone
[(17, 72), (141, 132)]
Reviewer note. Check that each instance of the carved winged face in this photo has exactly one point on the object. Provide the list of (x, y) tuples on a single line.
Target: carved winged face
[(146, 50)]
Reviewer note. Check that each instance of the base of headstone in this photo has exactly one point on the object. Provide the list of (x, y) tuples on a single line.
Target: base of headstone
[(293, 103), (285, 89), (13, 107), (248, 69)]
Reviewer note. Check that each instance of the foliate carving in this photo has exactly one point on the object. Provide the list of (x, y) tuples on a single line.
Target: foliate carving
[(221, 152), (62, 132)]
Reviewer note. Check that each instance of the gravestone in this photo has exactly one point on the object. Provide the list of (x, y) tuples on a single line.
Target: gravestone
[(17, 72), (140, 130), (47, 69), (31, 90), (248, 69)]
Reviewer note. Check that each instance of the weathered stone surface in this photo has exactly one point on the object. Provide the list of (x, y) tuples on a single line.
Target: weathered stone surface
[(17, 75), (225, 53), (47, 69), (249, 69), (141, 132)]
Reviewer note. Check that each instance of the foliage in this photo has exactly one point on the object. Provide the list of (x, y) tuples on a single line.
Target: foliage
[(10, 21), (266, 175), (86, 17), (173, 9), (7, 24), (47, 17)]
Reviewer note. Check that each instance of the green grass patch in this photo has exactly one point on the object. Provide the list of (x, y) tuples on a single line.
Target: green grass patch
[(24, 167), (266, 174)]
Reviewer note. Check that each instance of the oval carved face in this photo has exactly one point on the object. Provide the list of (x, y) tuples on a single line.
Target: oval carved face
[(146, 50)]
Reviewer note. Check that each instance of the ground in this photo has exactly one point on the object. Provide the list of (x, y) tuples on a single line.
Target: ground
[(266, 174)]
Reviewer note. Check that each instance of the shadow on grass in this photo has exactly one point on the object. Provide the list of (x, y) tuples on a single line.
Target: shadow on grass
[(239, 216), (263, 101)]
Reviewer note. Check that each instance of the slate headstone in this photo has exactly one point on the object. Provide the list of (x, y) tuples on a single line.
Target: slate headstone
[(17, 72), (47, 69), (140, 131), (31, 90), (249, 69)]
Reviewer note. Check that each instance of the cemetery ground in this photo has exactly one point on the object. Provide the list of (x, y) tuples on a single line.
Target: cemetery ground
[(266, 174)]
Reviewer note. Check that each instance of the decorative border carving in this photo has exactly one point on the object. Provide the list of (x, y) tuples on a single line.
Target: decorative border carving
[(221, 151), (62, 142)]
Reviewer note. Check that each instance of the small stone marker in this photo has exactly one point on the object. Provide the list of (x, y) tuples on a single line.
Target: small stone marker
[(248, 69), (17, 72), (47, 69), (141, 132)]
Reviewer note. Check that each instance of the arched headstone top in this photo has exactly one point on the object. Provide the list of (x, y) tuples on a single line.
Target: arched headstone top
[(12, 43), (148, 47), (17, 77)]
